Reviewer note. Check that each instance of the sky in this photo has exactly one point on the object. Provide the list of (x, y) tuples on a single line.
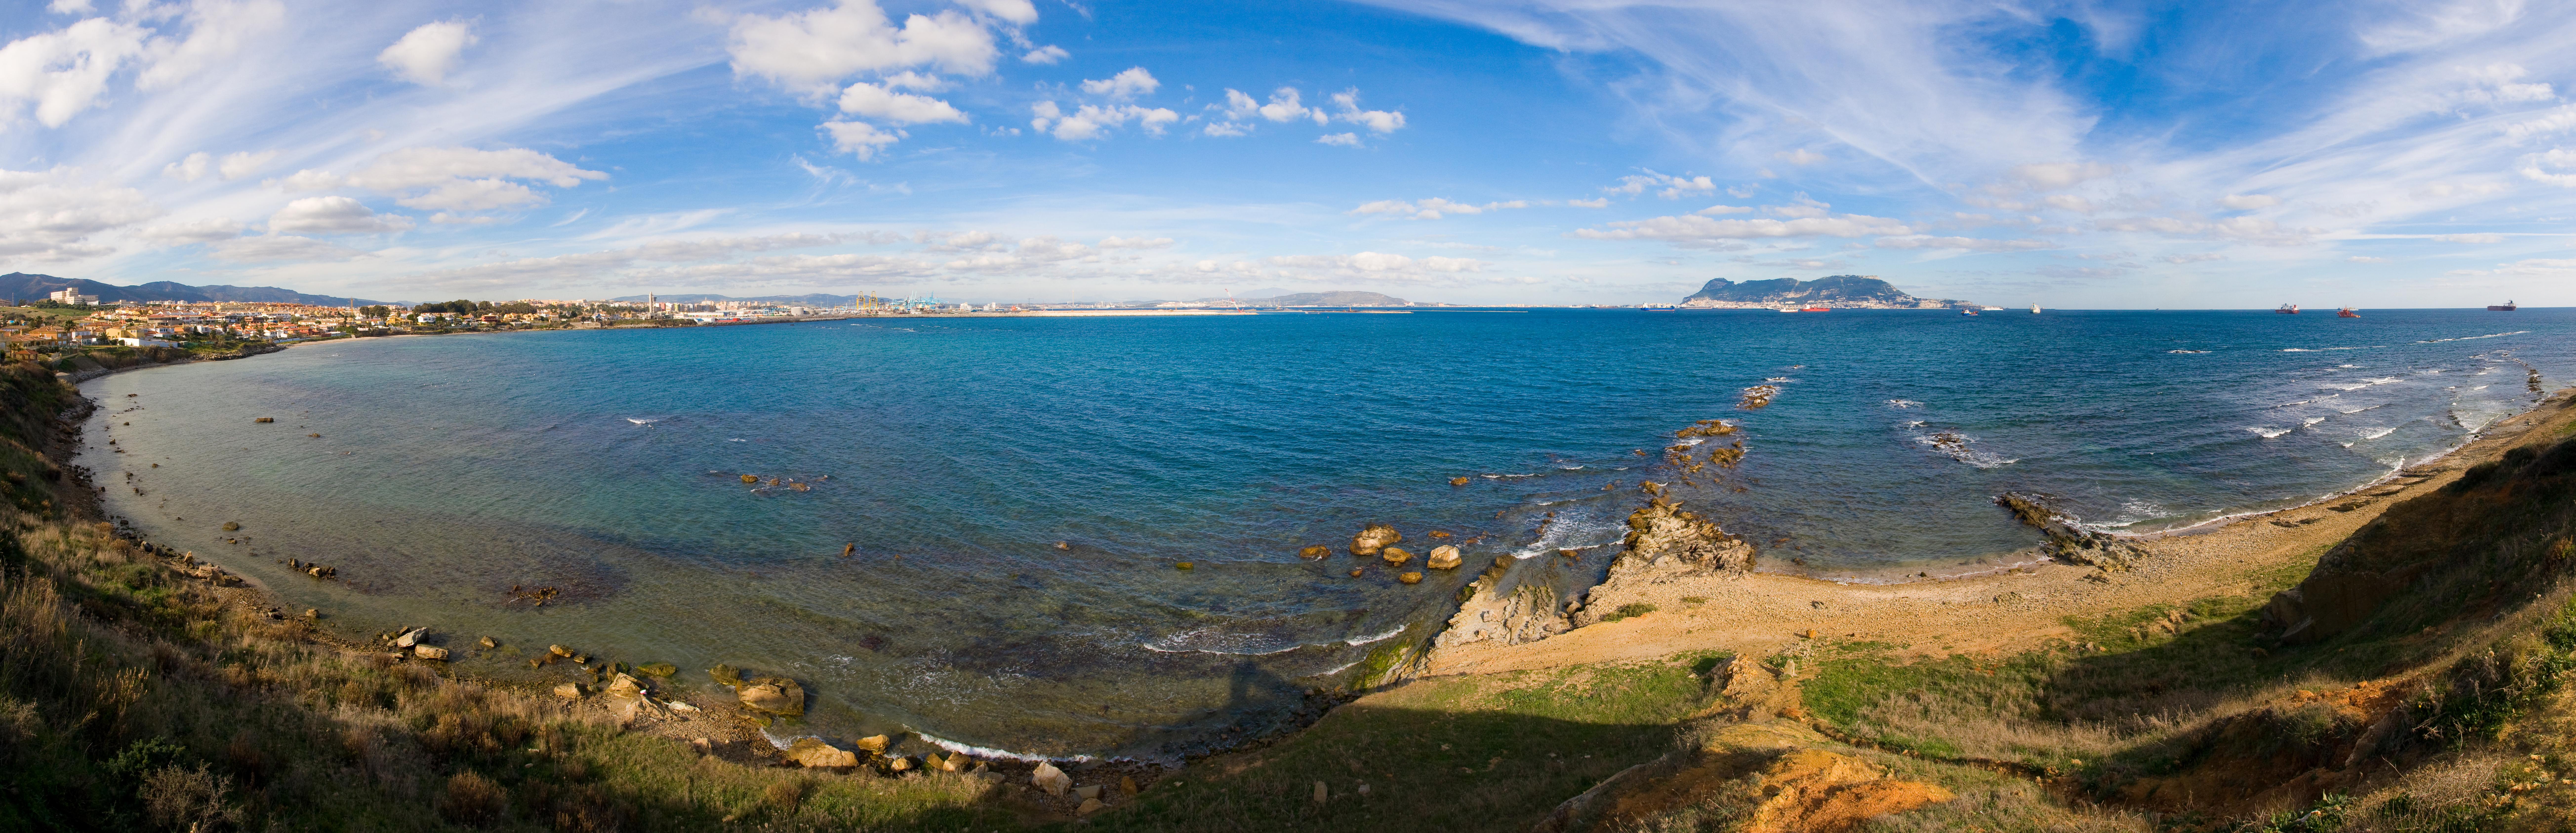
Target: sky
[(2069, 154)]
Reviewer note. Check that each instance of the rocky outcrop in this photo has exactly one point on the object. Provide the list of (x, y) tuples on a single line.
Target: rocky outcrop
[(813, 753), (1525, 613), (775, 695), (1373, 538), (1444, 557), (1665, 540), (2068, 542)]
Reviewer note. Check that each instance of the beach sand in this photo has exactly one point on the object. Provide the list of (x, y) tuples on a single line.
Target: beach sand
[(2007, 612)]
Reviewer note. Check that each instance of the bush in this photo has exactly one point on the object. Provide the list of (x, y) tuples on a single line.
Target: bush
[(180, 798), (1628, 610), (474, 800)]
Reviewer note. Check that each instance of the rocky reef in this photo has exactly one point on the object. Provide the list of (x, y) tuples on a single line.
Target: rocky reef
[(1527, 612), (2066, 541)]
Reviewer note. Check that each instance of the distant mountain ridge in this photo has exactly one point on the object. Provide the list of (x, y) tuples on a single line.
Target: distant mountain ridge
[(25, 287), (1850, 291), (1343, 298), (814, 300)]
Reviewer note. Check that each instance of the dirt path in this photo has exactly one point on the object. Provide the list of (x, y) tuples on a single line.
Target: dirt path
[(2005, 612)]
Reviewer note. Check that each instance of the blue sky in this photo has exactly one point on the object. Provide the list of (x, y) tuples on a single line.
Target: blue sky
[(1577, 151)]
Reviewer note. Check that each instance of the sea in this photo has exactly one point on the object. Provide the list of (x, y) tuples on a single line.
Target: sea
[(1079, 537)]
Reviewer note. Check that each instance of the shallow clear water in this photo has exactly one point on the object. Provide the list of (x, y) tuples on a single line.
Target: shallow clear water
[(952, 456)]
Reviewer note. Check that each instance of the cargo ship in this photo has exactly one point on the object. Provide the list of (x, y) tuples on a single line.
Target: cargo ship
[(2503, 307), (2287, 309)]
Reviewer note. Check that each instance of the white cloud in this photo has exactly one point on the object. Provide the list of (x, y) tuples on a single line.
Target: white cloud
[(454, 178), (2559, 120), (1135, 242), (189, 169), (2248, 202), (1014, 12), (197, 231), (1434, 208), (68, 7), (1226, 129), (1696, 231), (1351, 140), (217, 31), (2470, 238), (334, 215), (280, 247), (1285, 106), (2363, 259), (2564, 268), (2069, 202), (1377, 121), (1800, 156), (427, 54), (241, 165), (1972, 244), (51, 215), (65, 71), (2195, 257), (2556, 167), (864, 99), (808, 51), (2249, 229), (2051, 176), (1596, 202), (1092, 121), (1673, 187), (1713, 210), (1048, 55), (859, 138), (1130, 83), (591, 266), (1377, 264), (2448, 190)]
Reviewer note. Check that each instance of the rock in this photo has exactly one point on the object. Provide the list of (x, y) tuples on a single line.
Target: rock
[(1317, 551), (1395, 556), (409, 638), (1440, 533), (1089, 806), (1185, 565), (958, 762), (1374, 537), (232, 526), (489, 642), (815, 754), (1457, 481), (1051, 779), (310, 613), (1319, 792), (683, 706), (569, 691), (559, 650), (658, 670), (1444, 558), (1087, 791), (874, 744), (427, 652), (264, 419), (775, 695), (751, 478), (726, 675), (1409, 578), (1127, 785), (1355, 572), (899, 763), (625, 687)]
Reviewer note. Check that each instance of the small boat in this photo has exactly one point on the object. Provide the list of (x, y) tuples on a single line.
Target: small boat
[(1656, 307), (1788, 309), (1967, 310), (2034, 309), (1992, 309), (2347, 312), (1817, 309), (2287, 309), (2503, 307)]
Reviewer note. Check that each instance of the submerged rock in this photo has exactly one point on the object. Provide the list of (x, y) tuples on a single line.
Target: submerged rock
[(1317, 551), (1457, 481), (1395, 556), (2068, 542), (1410, 578), (724, 675), (1444, 558), (1373, 538), (775, 695)]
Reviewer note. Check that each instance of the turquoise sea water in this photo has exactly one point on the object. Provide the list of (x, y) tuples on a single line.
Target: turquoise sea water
[(951, 456)]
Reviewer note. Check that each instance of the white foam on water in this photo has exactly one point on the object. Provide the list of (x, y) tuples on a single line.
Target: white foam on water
[(1569, 531), (2373, 435), (1903, 403), (1357, 641), (2186, 351), (2311, 421), (643, 421), (2472, 338), (2268, 432), (1344, 667), (991, 753), (1212, 640)]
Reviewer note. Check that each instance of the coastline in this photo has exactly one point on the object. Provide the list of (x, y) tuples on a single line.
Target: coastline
[(1999, 611)]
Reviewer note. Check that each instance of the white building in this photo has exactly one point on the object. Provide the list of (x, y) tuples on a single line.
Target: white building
[(72, 296)]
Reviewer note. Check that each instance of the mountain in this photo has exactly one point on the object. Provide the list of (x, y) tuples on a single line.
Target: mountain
[(25, 287), (817, 300), (1332, 299), (1856, 291)]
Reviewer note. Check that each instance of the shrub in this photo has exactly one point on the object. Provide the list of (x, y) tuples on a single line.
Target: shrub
[(180, 798), (474, 800), (1628, 610)]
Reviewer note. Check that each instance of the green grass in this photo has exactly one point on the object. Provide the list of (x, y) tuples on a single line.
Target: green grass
[(1454, 753)]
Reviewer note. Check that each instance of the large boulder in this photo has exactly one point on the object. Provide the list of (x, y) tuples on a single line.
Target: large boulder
[(775, 695), (815, 754), (429, 652), (1051, 779), (1374, 537), (875, 744), (1444, 557)]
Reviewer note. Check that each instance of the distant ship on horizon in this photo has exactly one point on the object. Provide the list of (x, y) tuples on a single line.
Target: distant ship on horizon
[(2503, 307), (2287, 309), (2347, 312)]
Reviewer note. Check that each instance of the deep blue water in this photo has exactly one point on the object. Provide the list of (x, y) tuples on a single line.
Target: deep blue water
[(952, 455)]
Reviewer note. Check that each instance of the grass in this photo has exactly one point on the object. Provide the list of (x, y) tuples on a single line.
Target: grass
[(1450, 753)]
